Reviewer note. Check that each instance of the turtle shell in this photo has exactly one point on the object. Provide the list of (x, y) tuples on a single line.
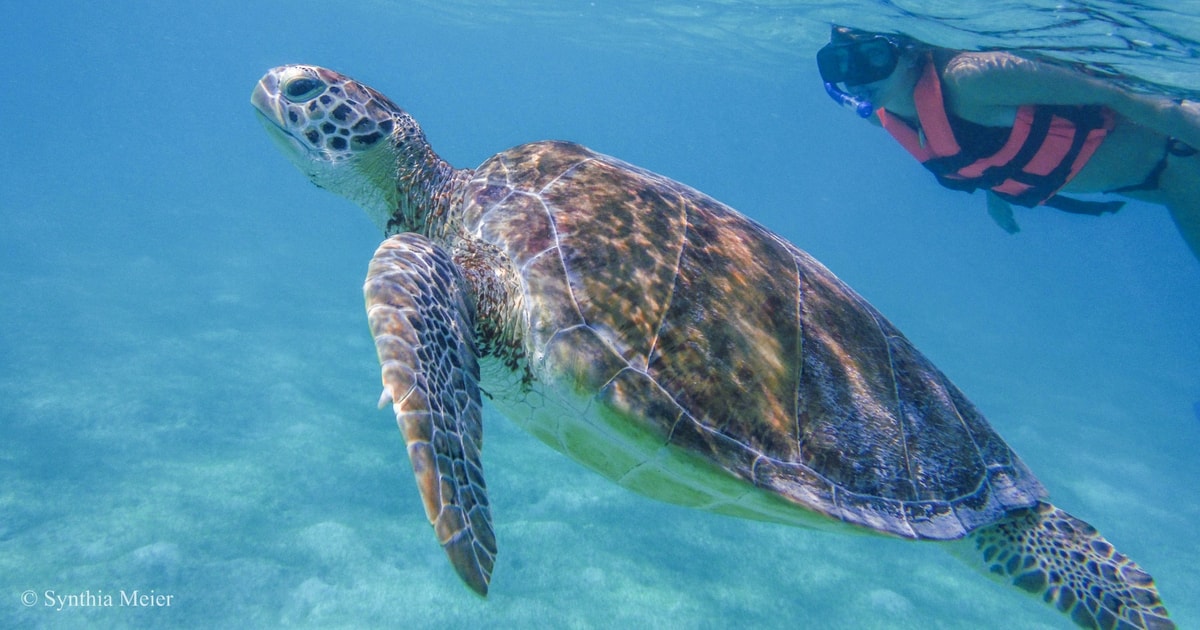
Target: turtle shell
[(726, 357)]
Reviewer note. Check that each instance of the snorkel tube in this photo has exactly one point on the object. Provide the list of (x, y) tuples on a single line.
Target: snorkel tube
[(861, 107)]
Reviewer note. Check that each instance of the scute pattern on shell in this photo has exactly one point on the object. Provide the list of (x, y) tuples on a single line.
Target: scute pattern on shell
[(772, 367)]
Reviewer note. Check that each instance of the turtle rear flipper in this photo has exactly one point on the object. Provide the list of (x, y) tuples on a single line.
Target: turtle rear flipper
[(1066, 563), (423, 330)]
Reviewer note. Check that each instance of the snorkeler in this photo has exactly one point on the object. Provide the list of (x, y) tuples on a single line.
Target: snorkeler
[(1023, 130)]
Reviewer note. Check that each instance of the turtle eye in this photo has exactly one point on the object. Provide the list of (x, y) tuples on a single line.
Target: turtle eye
[(302, 89)]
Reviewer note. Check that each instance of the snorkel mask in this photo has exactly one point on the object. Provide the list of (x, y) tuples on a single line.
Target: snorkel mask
[(856, 57)]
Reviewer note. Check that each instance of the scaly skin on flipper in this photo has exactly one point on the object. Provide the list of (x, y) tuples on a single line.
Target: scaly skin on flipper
[(422, 329), (1066, 563)]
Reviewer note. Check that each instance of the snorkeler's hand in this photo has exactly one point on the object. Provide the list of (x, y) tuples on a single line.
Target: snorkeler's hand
[(1002, 213)]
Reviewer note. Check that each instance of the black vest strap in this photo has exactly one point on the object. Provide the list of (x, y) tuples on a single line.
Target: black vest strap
[(1079, 206)]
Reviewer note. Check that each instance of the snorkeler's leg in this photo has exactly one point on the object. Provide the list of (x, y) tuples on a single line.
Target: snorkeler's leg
[(1187, 219), (1181, 187)]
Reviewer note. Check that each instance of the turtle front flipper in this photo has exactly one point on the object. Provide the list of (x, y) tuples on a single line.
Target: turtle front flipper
[(423, 328), (1066, 563)]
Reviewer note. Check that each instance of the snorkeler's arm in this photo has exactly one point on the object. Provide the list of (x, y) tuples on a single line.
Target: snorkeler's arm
[(979, 81)]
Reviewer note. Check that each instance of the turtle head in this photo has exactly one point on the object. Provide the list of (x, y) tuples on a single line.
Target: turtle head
[(347, 137)]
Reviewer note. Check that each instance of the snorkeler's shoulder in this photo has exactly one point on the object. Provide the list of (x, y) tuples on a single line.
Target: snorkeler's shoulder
[(976, 85), (999, 80), (976, 72)]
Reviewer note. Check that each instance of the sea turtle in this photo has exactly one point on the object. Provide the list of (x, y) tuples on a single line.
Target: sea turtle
[(672, 345)]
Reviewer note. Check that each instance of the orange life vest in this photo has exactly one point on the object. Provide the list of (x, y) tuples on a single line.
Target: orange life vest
[(1046, 147)]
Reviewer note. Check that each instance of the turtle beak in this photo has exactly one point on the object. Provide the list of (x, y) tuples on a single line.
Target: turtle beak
[(273, 115), (265, 98)]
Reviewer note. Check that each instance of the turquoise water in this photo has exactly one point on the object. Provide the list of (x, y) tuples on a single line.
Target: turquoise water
[(187, 386)]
